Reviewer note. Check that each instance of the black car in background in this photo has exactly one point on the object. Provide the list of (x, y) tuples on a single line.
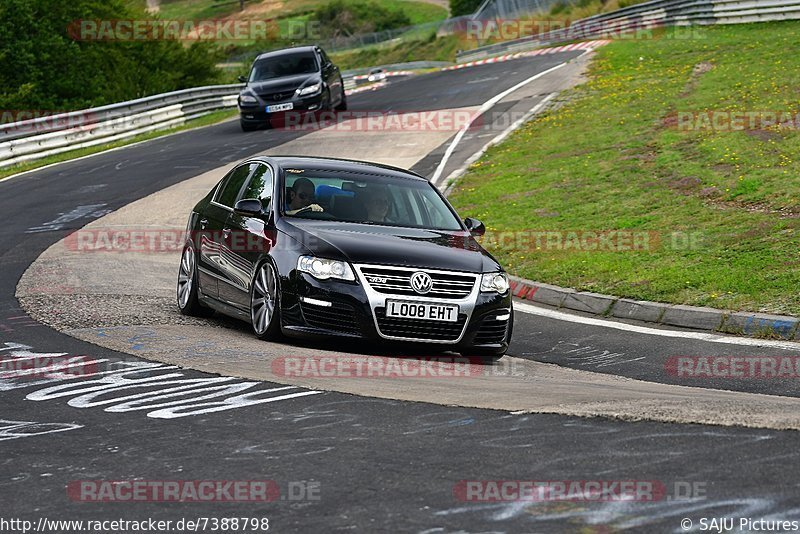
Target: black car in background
[(293, 80), (309, 247)]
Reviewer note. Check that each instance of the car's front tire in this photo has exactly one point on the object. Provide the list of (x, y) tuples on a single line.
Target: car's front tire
[(327, 102), (343, 104), (248, 126), (188, 300), (265, 302)]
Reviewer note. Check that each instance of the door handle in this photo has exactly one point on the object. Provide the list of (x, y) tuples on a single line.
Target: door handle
[(203, 223), (226, 232)]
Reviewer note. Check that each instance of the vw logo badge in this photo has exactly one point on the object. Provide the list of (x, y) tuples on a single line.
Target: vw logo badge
[(277, 96), (421, 282)]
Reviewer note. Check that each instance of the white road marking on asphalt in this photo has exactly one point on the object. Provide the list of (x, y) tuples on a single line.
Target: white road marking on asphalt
[(121, 388), (481, 80), (496, 140), (484, 108), (27, 429), (700, 336), (90, 210), (123, 147)]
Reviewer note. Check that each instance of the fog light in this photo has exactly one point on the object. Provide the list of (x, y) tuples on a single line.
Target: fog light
[(315, 302)]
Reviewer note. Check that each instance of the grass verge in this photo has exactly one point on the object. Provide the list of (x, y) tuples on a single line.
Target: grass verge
[(431, 48), (206, 120), (613, 158)]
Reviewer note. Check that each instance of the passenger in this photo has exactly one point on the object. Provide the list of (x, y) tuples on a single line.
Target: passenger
[(376, 201), (301, 197)]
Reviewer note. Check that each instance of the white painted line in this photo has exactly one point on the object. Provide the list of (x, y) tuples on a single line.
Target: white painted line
[(450, 180), (700, 336), (484, 108), (137, 143)]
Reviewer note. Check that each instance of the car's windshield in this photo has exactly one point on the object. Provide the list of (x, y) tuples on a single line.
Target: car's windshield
[(365, 198), (284, 65)]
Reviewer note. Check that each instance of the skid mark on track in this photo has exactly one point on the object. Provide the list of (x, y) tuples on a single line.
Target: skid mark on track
[(584, 355)]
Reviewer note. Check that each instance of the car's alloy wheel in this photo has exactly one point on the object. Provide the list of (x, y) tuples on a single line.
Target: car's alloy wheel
[(264, 305), (188, 302)]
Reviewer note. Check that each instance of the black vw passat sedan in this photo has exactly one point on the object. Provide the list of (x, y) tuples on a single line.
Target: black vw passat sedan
[(292, 80), (310, 247)]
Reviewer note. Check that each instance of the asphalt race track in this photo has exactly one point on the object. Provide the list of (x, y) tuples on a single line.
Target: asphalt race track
[(348, 462)]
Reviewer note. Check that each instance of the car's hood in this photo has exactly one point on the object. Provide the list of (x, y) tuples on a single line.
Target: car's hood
[(387, 245), (281, 85)]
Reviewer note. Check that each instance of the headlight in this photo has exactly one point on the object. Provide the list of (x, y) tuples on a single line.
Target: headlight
[(310, 90), (494, 282), (324, 269), (247, 99)]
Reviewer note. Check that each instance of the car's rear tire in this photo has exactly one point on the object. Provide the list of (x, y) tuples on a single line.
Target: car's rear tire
[(265, 303), (188, 300)]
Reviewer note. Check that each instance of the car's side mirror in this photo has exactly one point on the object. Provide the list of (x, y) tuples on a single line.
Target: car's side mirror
[(242, 79), (474, 226), (249, 207)]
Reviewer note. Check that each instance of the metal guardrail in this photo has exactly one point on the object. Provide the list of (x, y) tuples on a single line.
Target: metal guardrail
[(54, 134), (41, 137), (411, 65), (648, 15)]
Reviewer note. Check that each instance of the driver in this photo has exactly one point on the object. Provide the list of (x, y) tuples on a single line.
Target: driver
[(301, 197)]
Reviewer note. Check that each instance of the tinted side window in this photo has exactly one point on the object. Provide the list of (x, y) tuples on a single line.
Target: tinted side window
[(260, 185), (227, 193)]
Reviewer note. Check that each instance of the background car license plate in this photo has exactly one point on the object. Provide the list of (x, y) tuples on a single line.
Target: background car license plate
[(422, 310), (280, 107)]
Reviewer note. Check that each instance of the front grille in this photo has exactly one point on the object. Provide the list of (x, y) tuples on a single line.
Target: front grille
[(419, 329), (397, 282), (339, 317), (276, 97), (491, 332)]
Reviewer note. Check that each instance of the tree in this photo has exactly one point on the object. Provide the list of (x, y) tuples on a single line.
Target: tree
[(350, 17), (464, 7), (46, 67)]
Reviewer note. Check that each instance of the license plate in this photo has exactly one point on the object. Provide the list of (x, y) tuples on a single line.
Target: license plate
[(422, 310), (280, 107)]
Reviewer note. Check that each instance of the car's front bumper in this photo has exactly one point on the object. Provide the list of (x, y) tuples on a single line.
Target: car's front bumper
[(257, 113), (312, 308)]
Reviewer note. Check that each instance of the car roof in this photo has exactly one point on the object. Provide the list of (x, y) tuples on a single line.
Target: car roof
[(334, 164), (293, 49)]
